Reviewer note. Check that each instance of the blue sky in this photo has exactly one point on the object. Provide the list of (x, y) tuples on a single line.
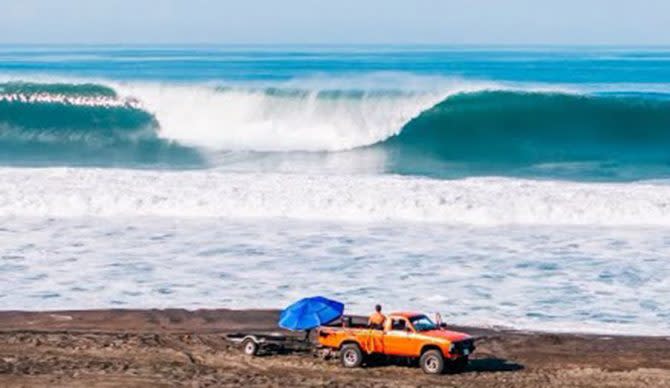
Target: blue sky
[(614, 22)]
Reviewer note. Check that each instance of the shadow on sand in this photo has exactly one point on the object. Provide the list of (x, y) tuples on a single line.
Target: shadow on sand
[(492, 364), (488, 364)]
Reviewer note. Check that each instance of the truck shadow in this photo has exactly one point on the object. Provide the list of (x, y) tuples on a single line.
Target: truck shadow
[(488, 364), (492, 364)]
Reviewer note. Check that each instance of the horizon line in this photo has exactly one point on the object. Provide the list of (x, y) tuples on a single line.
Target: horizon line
[(334, 44)]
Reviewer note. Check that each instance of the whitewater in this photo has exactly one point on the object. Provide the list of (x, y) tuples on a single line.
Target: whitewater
[(66, 192), (524, 188)]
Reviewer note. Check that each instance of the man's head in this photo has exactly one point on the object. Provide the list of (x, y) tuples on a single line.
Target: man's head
[(378, 308)]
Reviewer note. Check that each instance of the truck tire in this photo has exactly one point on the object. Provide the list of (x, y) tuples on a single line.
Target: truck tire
[(351, 356), (432, 362), (250, 347)]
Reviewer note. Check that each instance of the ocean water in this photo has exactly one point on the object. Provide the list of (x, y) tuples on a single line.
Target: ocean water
[(523, 187)]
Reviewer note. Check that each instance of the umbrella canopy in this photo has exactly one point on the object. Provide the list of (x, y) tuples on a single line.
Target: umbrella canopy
[(308, 313)]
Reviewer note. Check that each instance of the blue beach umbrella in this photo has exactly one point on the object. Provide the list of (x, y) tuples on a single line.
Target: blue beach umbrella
[(308, 313)]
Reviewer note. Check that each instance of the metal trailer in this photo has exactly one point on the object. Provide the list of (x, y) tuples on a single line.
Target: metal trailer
[(254, 343)]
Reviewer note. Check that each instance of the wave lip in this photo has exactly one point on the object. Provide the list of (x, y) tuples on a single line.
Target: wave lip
[(475, 201), (57, 89)]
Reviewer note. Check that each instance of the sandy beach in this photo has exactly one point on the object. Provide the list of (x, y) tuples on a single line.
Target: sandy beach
[(137, 348)]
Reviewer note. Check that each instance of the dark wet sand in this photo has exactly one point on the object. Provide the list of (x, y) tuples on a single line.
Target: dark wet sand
[(138, 348)]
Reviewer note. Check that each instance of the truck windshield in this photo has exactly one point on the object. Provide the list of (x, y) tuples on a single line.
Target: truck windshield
[(422, 323)]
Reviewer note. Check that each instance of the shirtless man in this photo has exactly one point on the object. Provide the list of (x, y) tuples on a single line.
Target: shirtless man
[(377, 319)]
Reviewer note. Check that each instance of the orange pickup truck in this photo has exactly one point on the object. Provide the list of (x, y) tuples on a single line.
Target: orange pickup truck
[(409, 335)]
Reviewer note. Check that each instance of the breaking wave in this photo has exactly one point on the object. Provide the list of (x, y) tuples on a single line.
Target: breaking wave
[(461, 123)]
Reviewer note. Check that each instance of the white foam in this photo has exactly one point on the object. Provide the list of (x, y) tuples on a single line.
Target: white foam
[(478, 201), (254, 120), (54, 98), (244, 118), (554, 278)]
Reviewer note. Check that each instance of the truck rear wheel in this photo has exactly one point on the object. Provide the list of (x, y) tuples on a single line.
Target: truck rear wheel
[(351, 356), (432, 362)]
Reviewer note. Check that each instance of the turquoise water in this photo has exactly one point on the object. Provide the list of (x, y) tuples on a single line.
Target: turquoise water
[(568, 113)]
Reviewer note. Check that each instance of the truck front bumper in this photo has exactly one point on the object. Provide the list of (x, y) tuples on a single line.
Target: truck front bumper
[(462, 348)]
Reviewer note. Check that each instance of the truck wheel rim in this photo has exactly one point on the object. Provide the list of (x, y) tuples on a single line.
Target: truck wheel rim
[(350, 357), (432, 364), (249, 349)]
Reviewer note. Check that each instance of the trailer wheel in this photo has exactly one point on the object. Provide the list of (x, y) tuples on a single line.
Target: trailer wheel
[(432, 362), (250, 347), (351, 356)]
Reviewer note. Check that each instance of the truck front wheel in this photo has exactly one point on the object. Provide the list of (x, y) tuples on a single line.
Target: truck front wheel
[(432, 362), (351, 356)]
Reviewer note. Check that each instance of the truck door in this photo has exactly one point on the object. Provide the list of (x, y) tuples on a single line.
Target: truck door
[(399, 339)]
